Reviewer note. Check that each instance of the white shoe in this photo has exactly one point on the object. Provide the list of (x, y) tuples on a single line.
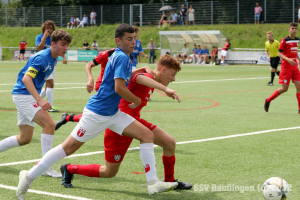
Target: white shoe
[(160, 186), (24, 184), (203, 63), (52, 173), (211, 63)]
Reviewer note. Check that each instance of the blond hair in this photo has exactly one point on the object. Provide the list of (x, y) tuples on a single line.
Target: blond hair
[(270, 32)]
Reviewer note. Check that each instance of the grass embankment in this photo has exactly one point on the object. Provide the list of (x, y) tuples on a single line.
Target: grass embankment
[(241, 36)]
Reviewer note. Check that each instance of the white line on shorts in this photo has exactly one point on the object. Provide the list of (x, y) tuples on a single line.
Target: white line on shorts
[(184, 142), (46, 193)]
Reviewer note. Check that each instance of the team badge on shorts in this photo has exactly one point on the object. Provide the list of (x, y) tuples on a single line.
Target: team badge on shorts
[(35, 104), (117, 157), (81, 132), (285, 81)]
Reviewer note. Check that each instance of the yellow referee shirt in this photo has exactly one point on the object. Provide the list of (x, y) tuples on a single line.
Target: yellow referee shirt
[(272, 48)]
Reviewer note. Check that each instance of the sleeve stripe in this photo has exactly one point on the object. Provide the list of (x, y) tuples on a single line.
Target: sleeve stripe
[(32, 72), (95, 62)]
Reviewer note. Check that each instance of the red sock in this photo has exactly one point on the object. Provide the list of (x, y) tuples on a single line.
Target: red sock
[(91, 170), (73, 118), (273, 96), (169, 163), (298, 98)]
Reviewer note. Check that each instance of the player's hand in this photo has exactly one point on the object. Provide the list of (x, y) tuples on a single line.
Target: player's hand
[(44, 104), (90, 86), (135, 105), (268, 59), (47, 34), (65, 61), (146, 56), (291, 62), (172, 94), (149, 71)]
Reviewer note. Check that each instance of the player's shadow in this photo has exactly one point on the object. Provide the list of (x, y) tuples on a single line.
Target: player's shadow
[(9, 170)]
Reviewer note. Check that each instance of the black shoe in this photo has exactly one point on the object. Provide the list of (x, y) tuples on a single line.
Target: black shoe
[(66, 176), (270, 84), (183, 185), (62, 121), (267, 104)]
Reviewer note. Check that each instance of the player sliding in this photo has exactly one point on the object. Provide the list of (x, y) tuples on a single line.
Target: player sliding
[(289, 69), (102, 112), (115, 145), (30, 106)]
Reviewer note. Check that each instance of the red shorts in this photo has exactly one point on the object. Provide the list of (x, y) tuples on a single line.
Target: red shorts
[(288, 73), (115, 145)]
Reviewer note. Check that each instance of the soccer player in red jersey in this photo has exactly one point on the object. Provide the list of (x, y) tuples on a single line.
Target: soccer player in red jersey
[(23, 45), (141, 85), (224, 51), (289, 69)]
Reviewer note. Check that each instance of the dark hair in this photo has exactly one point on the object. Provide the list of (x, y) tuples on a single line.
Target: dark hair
[(61, 35), (293, 24), (122, 29), (136, 29), (184, 44), (46, 24)]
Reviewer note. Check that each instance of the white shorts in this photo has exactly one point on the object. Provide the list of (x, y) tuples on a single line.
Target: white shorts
[(27, 108), (224, 53), (93, 21), (92, 125), (52, 75)]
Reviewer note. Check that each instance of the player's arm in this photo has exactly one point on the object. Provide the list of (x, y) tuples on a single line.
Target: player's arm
[(267, 54), (43, 40), (143, 54), (65, 60), (144, 80), (124, 92), (280, 55), (144, 69), (88, 70)]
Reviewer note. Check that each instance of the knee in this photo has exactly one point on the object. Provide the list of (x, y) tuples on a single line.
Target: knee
[(49, 127), (24, 141), (147, 137), (171, 144)]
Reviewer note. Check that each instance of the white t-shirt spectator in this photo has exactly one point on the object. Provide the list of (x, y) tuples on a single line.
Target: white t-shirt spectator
[(93, 15), (185, 50), (95, 45), (174, 17), (77, 20)]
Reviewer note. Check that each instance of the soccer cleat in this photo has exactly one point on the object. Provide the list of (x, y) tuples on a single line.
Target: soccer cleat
[(267, 104), (52, 173), (160, 186), (270, 84), (299, 112), (183, 185), (23, 186), (67, 176), (53, 109), (62, 121)]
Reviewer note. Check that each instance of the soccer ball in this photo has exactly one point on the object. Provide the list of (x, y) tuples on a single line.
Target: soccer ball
[(275, 188)]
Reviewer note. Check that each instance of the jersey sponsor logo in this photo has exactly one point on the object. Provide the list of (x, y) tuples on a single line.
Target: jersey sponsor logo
[(147, 168), (81, 132), (47, 67), (32, 72), (294, 48), (35, 104), (117, 157)]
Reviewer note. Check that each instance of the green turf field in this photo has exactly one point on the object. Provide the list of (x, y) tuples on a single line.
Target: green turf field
[(216, 101)]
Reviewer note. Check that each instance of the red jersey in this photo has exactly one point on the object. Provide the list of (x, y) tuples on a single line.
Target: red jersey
[(289, 48), (22, 44), (227, 44), (214, 52), (141, 91), (102, 59)]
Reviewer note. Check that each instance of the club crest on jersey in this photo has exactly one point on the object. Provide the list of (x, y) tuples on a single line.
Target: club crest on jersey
[(81, 132), (147, 168), (35, 104), (117, 157)]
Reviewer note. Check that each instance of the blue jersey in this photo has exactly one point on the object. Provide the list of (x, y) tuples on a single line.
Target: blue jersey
[(137, 50), (200, 51), (195, 51), (38, 40), (205, 51), (106, 101), (39, 67)]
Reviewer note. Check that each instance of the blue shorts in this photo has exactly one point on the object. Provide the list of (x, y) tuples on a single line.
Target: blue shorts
[(257, 16)]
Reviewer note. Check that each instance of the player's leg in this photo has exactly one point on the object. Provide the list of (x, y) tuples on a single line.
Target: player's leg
[(277, 92), (297, 85), (67, 118)]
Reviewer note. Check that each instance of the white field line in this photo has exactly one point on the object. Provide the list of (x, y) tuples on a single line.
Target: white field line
[(46, 193), (184, 142)]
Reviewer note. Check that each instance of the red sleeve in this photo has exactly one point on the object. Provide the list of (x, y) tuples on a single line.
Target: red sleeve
[(103, 56), (282, 45), (26, 43)]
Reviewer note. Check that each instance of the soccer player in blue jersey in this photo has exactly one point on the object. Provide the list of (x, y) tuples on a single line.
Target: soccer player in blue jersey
[(43, 41), (30, 106), (102, 112), (193, 57), (138, 49), (205, 55), (199, 54)]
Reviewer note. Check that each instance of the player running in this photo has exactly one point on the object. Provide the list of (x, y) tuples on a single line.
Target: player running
[(30, 106), (272, 46), (289, 69), (102, 112)]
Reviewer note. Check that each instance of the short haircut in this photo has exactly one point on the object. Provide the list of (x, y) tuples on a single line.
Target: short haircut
[(169, 62), (46, 24), (293, 24), (61, 35), (270, 32), (184, 44), (122, 29), (136, 29)]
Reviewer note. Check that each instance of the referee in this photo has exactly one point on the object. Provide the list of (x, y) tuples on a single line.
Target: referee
[(272, 46)]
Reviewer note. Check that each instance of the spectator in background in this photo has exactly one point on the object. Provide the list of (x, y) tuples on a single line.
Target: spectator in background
[(214, 54), (86, 45), (298, 14), (93, 18), (191, 12), (71, 22), (163, 19), (257, 12), (77, 22), (151, 47), (183, 12), (84, 20), (23, 45), (94, 45), (173, 18), (183, 55)]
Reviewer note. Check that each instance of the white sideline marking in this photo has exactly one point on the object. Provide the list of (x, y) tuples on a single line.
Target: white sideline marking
[(46, 193), (184, 142)]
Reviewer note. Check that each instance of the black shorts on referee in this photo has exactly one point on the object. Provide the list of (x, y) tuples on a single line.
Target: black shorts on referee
[(274, 61)]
